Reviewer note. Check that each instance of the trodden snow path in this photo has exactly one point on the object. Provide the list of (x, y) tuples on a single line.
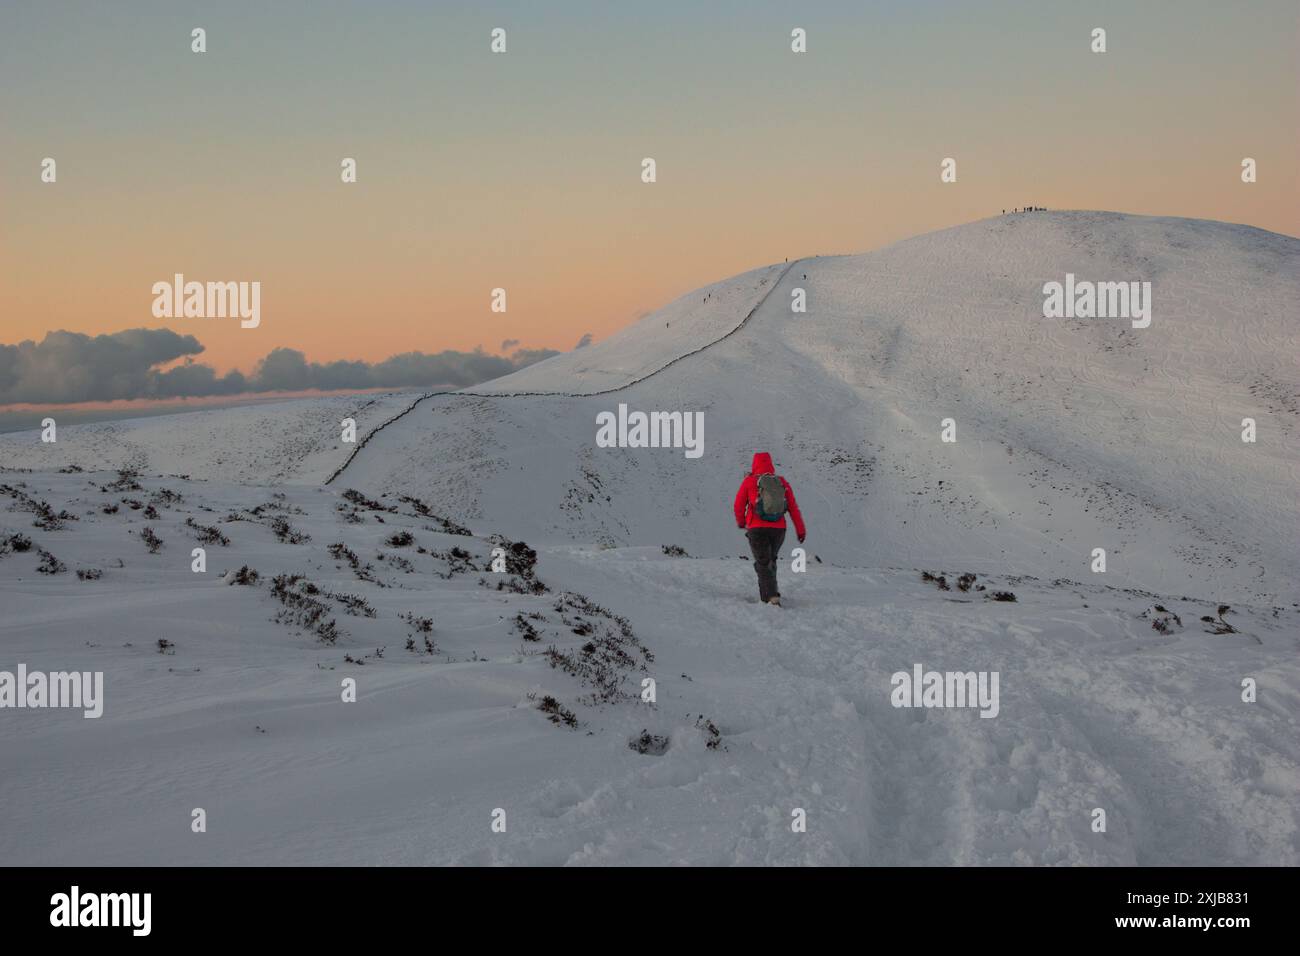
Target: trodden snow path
[(241, 715), (1095, 711)]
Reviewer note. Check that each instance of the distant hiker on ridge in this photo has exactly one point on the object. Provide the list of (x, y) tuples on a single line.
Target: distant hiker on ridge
[(761, 503)]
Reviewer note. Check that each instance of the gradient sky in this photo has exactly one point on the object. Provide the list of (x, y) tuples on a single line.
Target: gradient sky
[(523, 170)]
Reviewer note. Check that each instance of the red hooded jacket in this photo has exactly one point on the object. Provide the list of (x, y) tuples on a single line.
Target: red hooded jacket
[(746, 506)]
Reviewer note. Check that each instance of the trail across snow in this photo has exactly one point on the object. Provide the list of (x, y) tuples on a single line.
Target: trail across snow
[(1094, 712), (242, 716)]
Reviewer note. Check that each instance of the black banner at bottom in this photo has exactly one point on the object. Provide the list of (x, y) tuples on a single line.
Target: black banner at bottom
[(544, 905)]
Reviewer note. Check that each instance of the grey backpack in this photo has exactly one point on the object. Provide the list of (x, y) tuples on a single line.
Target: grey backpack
[(770, 503)]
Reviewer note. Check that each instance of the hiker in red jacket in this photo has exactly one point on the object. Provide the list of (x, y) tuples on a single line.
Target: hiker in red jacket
[(760, 507)]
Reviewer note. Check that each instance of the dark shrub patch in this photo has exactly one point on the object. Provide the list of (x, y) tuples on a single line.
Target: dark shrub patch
[(521, 563), (354, 605), (206, 534), (301, 608), (604, 662), (712, 736), (49, 563), (361, 501), (1220, 626), (525, 629), (399, 562), (245, 576), (47, 519), (285, 532), (341, 552), (151, 540), (445, 525), (423, 628), (556, 712), (650, 744), (126, 481)]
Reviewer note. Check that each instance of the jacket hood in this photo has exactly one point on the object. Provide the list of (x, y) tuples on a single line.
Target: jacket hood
[(762, 464)]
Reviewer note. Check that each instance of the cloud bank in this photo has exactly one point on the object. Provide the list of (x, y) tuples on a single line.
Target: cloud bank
[(71, 367)]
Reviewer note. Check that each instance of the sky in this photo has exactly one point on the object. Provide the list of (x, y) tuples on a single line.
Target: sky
[(522, 170)]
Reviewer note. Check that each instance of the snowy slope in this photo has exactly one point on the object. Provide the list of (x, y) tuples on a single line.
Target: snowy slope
[(1071, 434), (276, 442), (688, 324), (759, 712)]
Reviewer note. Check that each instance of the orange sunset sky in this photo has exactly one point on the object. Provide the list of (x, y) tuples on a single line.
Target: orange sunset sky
[(522, 170)]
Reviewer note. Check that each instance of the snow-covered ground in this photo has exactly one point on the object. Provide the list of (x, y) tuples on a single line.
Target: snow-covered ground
[(1120, 691), (283, 442), (243, 716)]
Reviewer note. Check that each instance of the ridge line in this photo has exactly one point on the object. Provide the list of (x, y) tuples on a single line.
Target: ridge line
[(604, 391)]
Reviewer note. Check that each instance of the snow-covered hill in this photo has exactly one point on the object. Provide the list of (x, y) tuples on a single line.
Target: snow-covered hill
[(294, 441), (1071, 434), (1121, 691)]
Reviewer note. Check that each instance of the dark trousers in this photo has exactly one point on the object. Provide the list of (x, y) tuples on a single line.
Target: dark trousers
[(764, 543)]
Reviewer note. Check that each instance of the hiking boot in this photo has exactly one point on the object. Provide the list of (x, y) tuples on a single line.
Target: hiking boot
[(775, 600)]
